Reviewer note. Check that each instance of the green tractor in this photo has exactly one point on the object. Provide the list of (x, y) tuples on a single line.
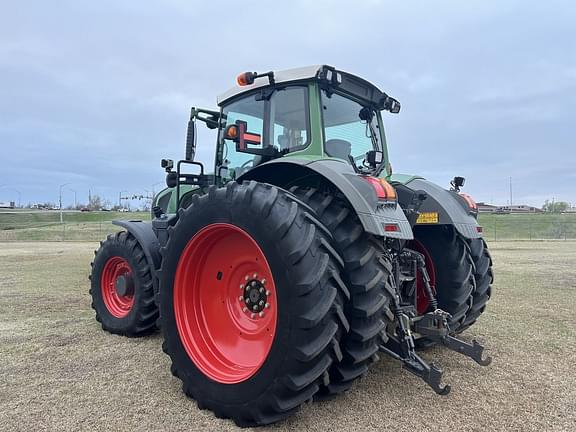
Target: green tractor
[(279, 276)]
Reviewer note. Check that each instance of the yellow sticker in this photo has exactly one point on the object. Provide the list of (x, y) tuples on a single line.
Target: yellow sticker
[(427, 218)]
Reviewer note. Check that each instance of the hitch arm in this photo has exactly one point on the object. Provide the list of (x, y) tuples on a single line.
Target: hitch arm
[(434, 325), (429, 373), (473, 350)]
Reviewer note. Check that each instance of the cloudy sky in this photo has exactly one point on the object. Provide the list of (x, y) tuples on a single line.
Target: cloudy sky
[(95, 93)]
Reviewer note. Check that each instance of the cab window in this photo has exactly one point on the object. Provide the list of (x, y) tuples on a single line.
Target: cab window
[(345, 134), (289, 118), (286, 128), (251, 111)]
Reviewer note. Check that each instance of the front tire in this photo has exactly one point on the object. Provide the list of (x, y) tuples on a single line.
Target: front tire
[(121, 287), (254, 368)]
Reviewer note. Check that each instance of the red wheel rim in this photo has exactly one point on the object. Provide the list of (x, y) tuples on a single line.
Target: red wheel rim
[(225, 303), (118, 305), (422, 300)]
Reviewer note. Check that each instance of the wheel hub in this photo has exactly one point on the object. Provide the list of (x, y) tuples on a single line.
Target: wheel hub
[(117, 285), (124, 285), (255, 296)]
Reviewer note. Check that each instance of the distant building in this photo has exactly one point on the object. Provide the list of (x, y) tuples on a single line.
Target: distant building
[(520, 208), (9, 205), (486, 208), (523, 209)]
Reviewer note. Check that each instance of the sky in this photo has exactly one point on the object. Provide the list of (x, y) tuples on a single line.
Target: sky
[(94, 94)]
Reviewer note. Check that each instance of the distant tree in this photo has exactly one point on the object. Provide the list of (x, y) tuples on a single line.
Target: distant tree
[(107, 204), (46, 205), (95, 202), (555, 206)]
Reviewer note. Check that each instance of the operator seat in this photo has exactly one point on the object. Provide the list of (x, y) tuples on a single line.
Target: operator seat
[(338, 148)]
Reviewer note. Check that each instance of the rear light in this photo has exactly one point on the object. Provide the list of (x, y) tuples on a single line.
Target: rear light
[(470, 201), (384, 190), (479, 229), (391, 228)]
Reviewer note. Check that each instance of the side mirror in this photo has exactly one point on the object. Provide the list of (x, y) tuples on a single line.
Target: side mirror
[(191, 140)]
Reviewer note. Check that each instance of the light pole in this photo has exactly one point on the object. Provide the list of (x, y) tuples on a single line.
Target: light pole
[(75, 201), (90, 195), (60, 199), (147, 197), (120, 198)]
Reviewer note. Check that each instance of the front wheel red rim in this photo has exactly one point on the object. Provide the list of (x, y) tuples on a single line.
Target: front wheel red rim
[(118, 305), (225, 303)]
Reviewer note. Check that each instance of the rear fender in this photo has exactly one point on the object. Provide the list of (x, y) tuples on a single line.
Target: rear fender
[(373, 215), (451, 208)]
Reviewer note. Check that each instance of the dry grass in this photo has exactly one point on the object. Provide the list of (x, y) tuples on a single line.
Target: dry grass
[(60, 371)]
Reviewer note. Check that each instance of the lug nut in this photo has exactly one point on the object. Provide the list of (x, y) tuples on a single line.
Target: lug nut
[(246, 278), (255, 308), (244, 309), (253, 315), (248, 300), (267, 305), (267, 292), (241, 286), (261, 314), (261, 303), (255, 275), (253, 283), (241, 298), (261, 290), (263, 281)]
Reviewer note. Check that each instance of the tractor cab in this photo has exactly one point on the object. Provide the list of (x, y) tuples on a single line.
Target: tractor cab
[(314, 112)]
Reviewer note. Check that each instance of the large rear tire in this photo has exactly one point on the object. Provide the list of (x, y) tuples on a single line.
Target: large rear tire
[(449, 260), (484, 277), (121, 287), (230, 250), (367, 271)]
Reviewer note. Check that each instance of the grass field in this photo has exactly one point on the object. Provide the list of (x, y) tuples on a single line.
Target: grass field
[(60, 371), (45, 226), (536, 226)]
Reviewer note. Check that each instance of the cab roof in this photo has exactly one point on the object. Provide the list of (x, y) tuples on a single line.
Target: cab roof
[(343, 81)]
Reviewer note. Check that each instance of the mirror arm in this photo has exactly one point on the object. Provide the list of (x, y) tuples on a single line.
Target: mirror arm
[(210, 117)]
